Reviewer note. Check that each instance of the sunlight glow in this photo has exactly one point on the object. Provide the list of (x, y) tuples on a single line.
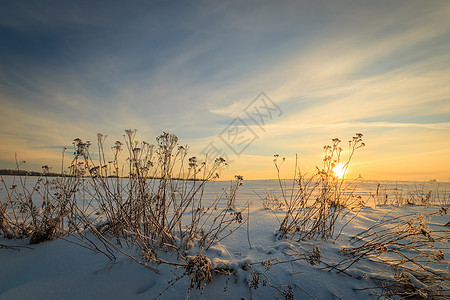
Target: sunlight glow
[(340, 170)]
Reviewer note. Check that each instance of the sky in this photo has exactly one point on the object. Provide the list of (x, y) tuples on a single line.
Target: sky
[(248, 79)]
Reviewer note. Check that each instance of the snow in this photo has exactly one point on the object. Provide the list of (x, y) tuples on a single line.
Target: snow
[(60, 269)]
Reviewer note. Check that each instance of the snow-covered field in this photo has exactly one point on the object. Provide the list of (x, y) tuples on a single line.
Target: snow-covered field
[(262, 266)]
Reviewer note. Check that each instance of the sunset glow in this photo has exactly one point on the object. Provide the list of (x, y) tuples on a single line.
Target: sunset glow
[(339, 170)]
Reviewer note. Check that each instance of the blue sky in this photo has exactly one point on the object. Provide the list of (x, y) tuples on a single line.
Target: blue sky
[(72, 69)]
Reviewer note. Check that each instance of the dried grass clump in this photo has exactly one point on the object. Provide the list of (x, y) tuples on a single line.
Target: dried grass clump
[(419, 195), (200, 270), (144, 205), (270, 201), (260, 278), (312, 205), (158, 207), (40, 212), (408, 247)]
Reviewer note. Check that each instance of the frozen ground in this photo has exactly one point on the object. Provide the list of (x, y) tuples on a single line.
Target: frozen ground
[(62, 270)]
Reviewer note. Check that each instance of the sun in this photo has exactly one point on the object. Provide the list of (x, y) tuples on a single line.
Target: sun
[(340, 170)]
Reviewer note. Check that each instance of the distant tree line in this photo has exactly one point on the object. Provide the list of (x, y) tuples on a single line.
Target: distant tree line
[(26, 173), (49, 174)]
